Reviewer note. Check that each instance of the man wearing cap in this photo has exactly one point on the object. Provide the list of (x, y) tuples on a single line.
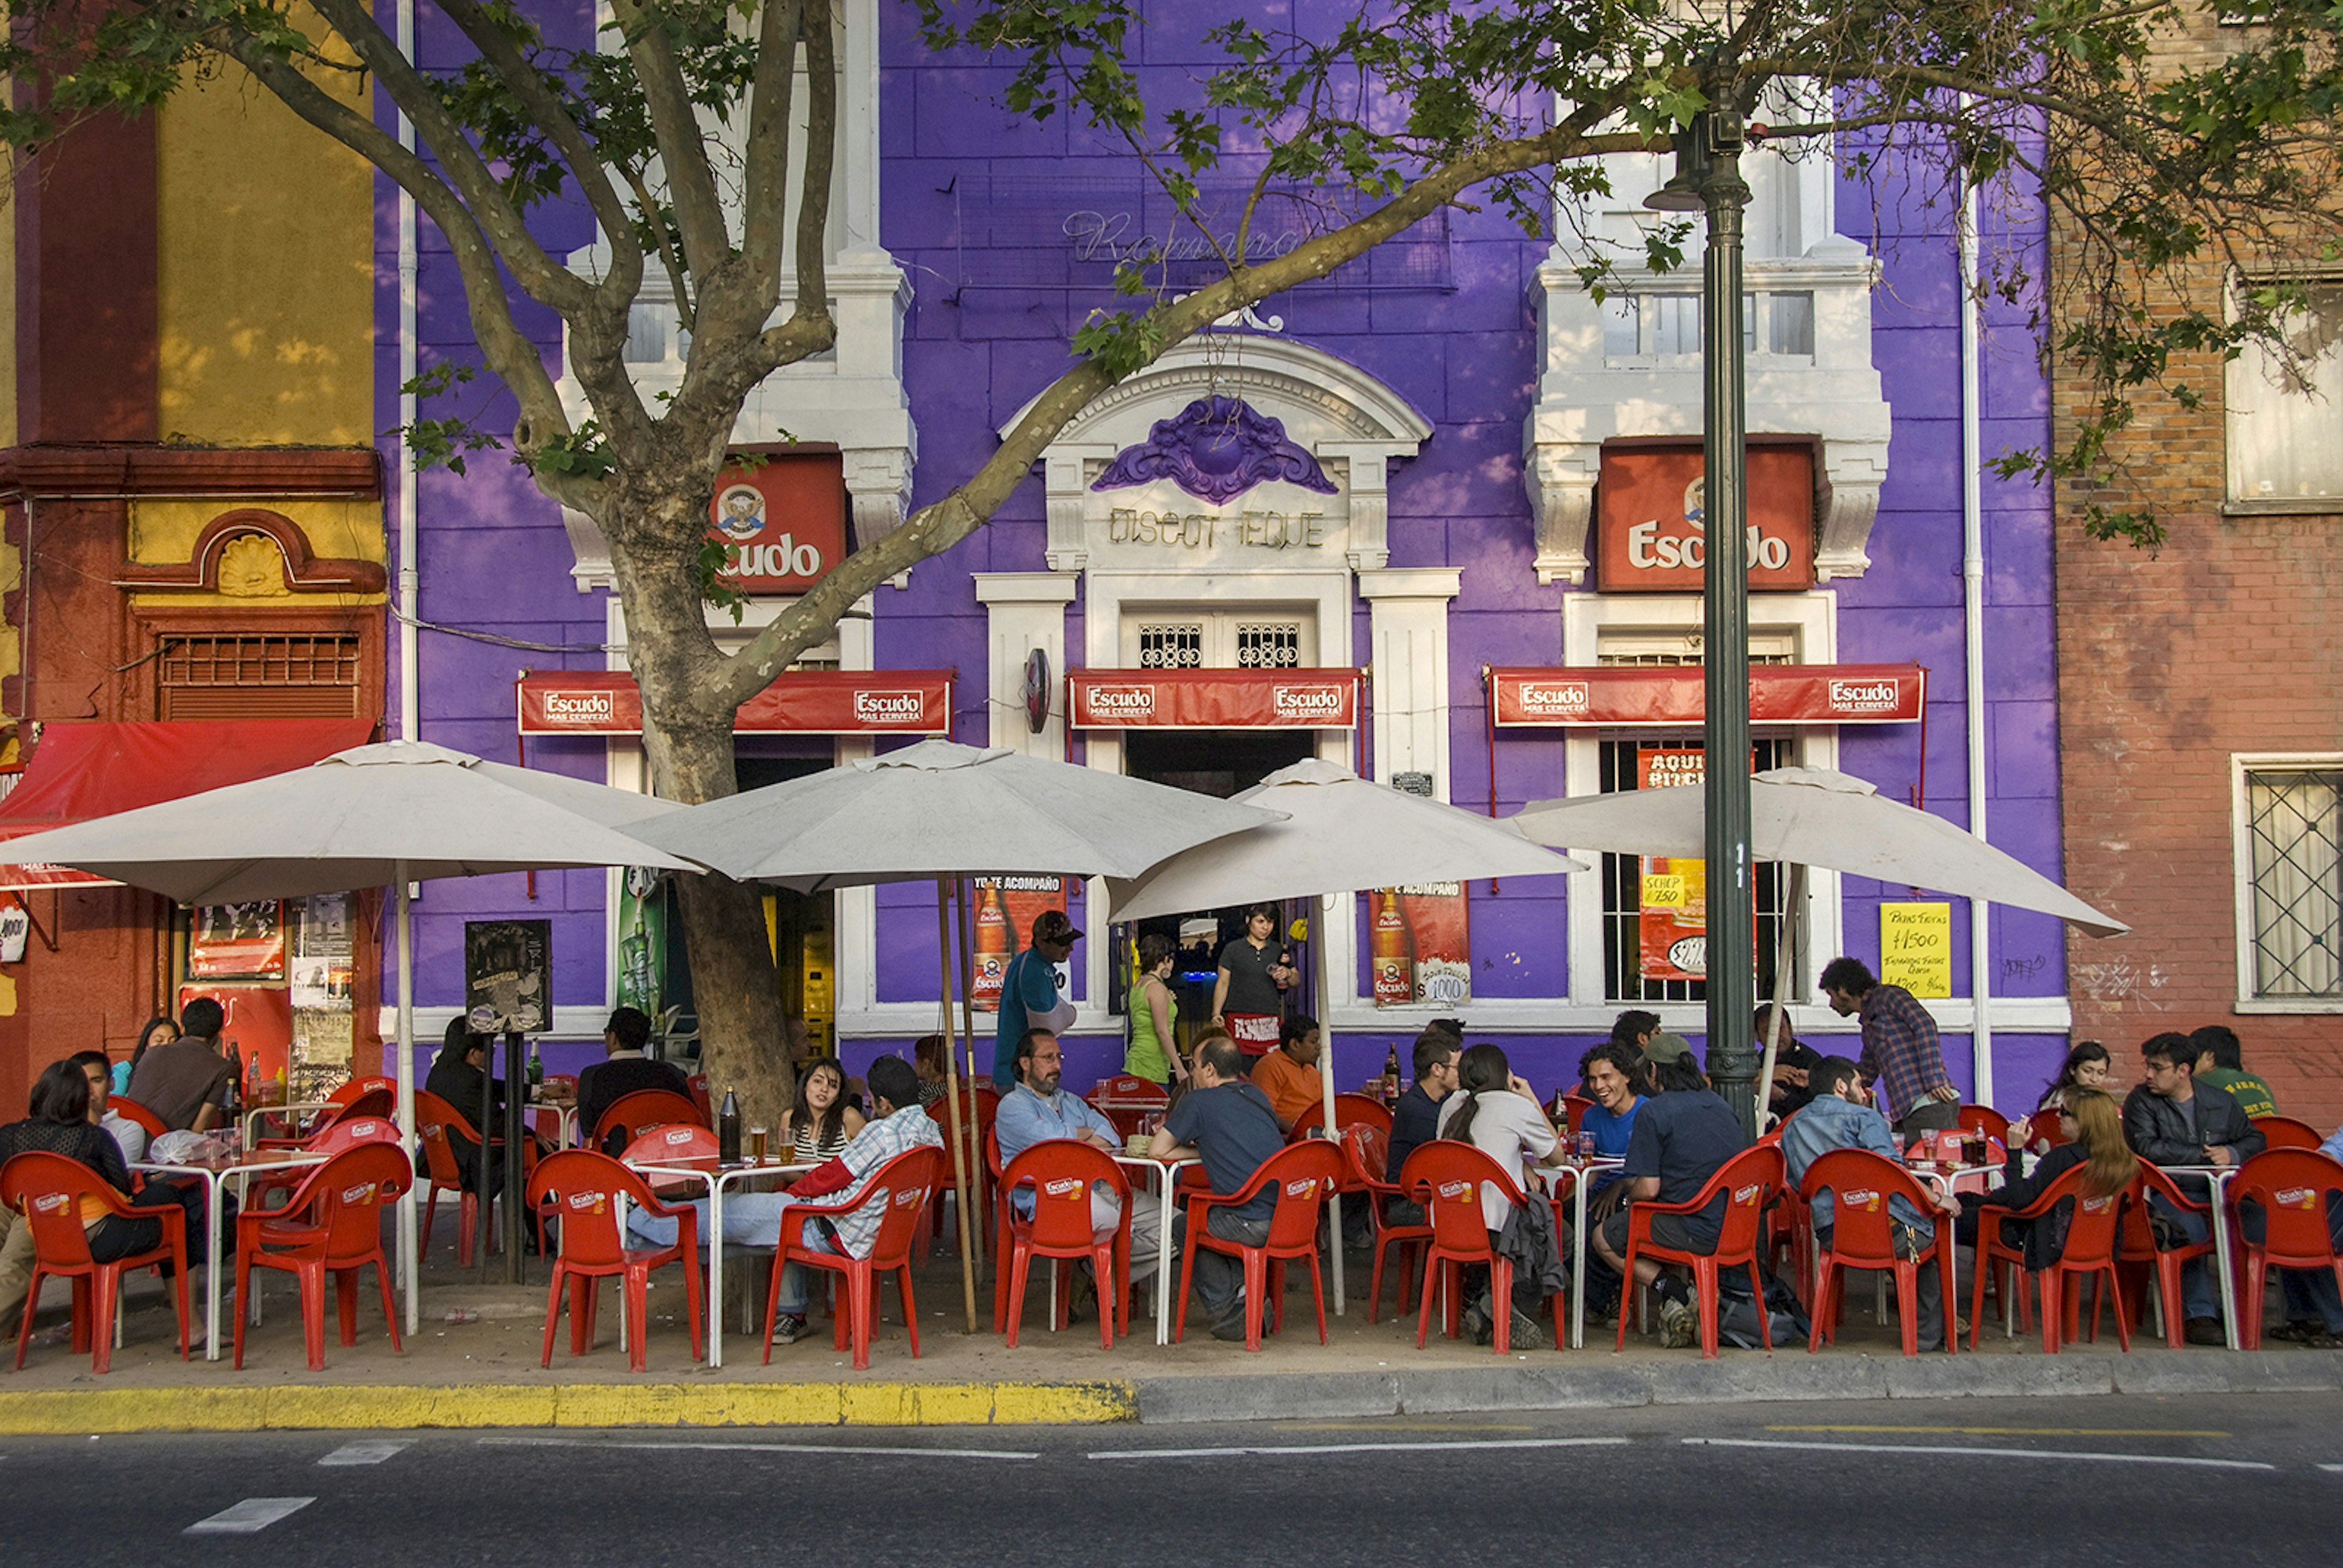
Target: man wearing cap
[(1029, 994), (1684, 1134)]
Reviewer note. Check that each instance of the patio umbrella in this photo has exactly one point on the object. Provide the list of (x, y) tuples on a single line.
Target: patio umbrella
[(1341, 834), (398, 813), (940, 811), (1814, 816)]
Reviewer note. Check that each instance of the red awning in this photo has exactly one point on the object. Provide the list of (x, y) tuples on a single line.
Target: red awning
[(82, 769), (803, 702), (1629, 696), (1213, 698)]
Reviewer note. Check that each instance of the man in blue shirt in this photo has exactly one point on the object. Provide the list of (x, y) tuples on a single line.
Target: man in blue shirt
[(1415, 1120), (1038, 1111), (1225, 1121), (1609, 1073), (1029, 994), (1684, 1134), (1840, 1116)]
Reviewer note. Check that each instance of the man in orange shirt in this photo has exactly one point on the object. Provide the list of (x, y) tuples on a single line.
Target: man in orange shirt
[(1289, 1075)]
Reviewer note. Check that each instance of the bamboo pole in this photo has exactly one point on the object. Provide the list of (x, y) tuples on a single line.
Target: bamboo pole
[(951, 1108)]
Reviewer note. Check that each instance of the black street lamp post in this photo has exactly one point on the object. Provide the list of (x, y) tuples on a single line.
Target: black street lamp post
[(1708, 177)]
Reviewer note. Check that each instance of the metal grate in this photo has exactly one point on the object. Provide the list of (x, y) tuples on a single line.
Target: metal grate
[(1171, 645), (1269, 645), (2295, 826), (297, 675), (1622, 888)]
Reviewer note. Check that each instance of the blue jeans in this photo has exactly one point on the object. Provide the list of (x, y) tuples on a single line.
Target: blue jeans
[(750, 1220), (2198, 1299), (1219, 1279)]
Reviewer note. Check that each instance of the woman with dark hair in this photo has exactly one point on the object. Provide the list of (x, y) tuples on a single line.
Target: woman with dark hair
[(930, 1054), (155, 1032), (1248, 996), (2086, 1066), (1154, 1050), (61, 1123), (1497, 1112), (821, 1122)]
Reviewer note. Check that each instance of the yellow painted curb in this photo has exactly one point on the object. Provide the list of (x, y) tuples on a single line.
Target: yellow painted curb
[(364, 1408)]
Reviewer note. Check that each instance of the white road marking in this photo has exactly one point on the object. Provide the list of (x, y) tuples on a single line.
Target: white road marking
[(2332, 1468), (362, 1452), (1985, 1452), (1359, 1447), (248, 1517), (759, 1448)]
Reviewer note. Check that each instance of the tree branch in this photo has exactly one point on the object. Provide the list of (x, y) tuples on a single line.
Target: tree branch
[(683, 152), (765, 176), (821, 154)]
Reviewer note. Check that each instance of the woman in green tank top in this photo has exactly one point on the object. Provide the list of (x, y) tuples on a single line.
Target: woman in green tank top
[(1154, 1051)]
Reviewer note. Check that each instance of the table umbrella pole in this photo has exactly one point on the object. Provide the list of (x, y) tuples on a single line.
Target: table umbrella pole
[(1321, 982), (952, 1112), (408, 1272), (1785, 954)]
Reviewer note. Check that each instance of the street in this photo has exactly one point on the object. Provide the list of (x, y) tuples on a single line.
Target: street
[(1958, 1483)]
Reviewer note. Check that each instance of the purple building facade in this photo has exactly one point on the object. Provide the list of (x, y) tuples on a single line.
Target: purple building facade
[(1454, 418)]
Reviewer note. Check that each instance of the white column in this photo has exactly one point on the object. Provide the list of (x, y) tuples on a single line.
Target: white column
[(1023, 611), (1408, 626)]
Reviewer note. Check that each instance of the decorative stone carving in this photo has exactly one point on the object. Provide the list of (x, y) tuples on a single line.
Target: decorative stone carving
[(1216, 448), (1561, 480), (254, 553), (252, 566)]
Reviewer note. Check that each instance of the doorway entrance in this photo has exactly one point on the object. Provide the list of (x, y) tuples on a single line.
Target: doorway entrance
[(1219, 763)]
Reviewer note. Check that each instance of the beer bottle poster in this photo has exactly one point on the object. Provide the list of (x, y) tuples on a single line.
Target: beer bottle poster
[(1420, 946), (1005, 908), (1673, 925), (642, 940), (508, 975)]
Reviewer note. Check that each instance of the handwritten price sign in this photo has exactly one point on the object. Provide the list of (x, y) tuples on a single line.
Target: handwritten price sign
[(1915, 948)]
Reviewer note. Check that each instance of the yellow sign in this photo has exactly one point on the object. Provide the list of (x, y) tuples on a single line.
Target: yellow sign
[(1915, 948)]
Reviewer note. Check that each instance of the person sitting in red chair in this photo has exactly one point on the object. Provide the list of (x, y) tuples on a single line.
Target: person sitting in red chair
[(1684, 1135), (1224, 1119), (605, 1083)]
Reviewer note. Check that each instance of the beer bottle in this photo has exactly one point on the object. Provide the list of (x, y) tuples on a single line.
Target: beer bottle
[(1390, 1075), (536, 1072), (728, 1129), (1394, 982)]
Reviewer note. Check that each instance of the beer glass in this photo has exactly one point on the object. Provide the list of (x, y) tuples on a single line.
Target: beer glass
[(757, 1136)]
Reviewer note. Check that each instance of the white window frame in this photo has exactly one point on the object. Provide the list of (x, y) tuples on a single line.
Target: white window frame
[(2235, 501), (2243, 765)]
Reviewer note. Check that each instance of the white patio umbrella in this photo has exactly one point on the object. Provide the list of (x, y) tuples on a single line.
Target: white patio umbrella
[(940, 811), (1814, 816), (398, 813), (1341, 834)]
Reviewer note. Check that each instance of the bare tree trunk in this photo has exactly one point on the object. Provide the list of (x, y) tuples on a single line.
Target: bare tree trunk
[(687, 740)]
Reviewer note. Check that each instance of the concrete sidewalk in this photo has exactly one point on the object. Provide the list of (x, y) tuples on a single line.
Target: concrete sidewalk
[(480, 1370)]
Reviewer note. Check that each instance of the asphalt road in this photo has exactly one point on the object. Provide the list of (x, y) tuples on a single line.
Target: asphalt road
[(1960, 1483)]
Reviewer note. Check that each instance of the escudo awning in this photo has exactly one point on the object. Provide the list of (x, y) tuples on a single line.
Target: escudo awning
[(83, 769), (1629, 696), (1213, 698), (802, 702)]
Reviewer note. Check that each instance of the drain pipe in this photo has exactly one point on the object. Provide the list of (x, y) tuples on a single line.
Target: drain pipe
[(410, 701), (1973, 639)]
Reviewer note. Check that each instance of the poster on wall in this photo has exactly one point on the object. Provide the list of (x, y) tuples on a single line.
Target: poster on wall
[(508, 975), (322, 968), (642, 940), (1915, 948), (1673, 925), (238, 941), (1421, 946), (1005, 908)]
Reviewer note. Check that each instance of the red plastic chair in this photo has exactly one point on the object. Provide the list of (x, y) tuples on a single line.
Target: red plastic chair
[(2090, 1251), (1366, 1150), (2048, 1131), (1127, 1102), (2285, 1133), (583, 1187), (1576, 1106), (46, 1190), (1985, 1118), (2138, 1252), (1447, 1177), (2291, 1187), (1061, 1174), (901, 1187), (1359, 1110), (130, 1111), (331, 1224), (1302, 1174), (1860, 1184), (645, 1109), (332, 1140), (353, 1088), (697, 1083), (1748, 1181), (435, 1121), (983, 1182)]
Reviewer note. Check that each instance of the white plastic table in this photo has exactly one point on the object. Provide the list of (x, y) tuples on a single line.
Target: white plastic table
[(216, 1175), (1167, 1172), (716, 1181), (2218, 1177), (1579, 1173)]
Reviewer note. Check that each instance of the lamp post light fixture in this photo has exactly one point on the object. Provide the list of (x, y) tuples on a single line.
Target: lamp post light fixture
[(1708, 178)]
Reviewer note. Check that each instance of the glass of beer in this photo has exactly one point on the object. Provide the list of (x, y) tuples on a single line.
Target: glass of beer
[(757, 1145)]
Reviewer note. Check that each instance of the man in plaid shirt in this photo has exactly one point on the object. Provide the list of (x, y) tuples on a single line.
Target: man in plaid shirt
[(1901, 1052)]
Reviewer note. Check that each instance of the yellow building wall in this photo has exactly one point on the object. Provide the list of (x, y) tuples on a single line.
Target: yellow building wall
[(163, 533), (266, 298)]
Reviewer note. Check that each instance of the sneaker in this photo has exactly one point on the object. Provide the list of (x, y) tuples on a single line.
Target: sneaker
[(790, 1328), (1476, 1325), (1523, 1332), (1678, 1328), (2205, 1331), (1232, 1328)]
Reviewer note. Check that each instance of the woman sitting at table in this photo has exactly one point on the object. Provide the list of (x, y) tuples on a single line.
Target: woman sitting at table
[(821, 1122), (2086, 1066), (1497, 1112), (2095, 1128)]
